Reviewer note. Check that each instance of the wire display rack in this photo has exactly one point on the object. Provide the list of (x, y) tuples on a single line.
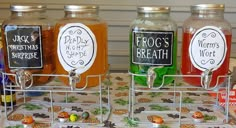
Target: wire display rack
[(176, 109), (53, 88)]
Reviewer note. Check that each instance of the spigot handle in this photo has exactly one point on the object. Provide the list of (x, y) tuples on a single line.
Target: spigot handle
[(206, 78), (73, 79), (151, 76), (22, 77)]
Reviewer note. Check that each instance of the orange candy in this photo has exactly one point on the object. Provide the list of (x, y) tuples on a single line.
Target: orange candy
[(63, 115), (27, 120)]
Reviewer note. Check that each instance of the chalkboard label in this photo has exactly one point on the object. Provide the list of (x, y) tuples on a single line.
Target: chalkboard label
[(152, 47), (24, 46)]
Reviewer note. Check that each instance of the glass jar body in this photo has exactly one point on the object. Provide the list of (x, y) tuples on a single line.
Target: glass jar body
[(93, 25), (28, 44), (152, 37), (205, 22)]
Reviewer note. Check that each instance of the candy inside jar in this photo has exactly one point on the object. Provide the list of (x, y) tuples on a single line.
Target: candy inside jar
[(153, 45), (81, 38), (206, 45), (27, 43)]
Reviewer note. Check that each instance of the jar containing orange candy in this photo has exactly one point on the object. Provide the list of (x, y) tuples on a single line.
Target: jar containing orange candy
[(81, 38)]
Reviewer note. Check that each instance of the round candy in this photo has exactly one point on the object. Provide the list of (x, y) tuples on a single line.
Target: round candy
[(73, 117), (85, 115)]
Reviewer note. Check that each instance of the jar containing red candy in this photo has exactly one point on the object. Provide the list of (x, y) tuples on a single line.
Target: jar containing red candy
[(206, 45)]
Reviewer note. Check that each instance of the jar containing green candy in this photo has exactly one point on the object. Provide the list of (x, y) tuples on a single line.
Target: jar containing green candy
[(153, 45)]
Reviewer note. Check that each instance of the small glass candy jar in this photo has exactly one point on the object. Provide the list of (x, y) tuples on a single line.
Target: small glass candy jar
[(153, 45), (206, 45), (81, 38), (28, 44)]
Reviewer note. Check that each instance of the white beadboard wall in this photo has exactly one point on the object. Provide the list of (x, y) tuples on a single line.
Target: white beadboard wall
[(120, 13)]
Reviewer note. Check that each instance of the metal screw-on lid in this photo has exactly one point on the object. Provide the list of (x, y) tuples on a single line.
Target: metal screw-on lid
[(81, 8), (27, 8), (207, 7), (158, 9)]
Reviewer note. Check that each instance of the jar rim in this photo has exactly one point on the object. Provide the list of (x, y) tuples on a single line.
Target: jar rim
[(207, 7), (80, 8), (27, 7), (153, 9)]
